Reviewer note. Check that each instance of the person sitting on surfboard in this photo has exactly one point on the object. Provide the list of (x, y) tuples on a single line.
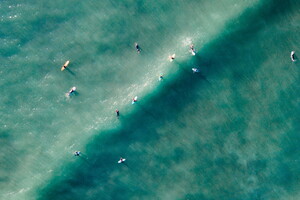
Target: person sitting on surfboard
[(172, 57), (161, 77), (76, 153), (137, 47), (121, 160), (134, 100)]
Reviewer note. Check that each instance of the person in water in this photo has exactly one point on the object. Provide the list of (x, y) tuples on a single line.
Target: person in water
[(118, 113), (195, 70), (161, 77), (192, 49), (137, 47), (172, 57), (293, 56), (65, 65), (76, 153), (72, 91), (122, 160)]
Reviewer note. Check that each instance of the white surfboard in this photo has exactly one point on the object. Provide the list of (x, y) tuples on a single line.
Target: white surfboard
[(292, 56), (121, 160), (134, 100), (193, 52)]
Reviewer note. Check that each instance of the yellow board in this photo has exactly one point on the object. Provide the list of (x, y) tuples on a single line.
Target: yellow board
[(65, 65)]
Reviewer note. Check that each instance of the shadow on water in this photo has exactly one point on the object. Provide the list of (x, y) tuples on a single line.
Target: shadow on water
[(161, 108), (70, 71)]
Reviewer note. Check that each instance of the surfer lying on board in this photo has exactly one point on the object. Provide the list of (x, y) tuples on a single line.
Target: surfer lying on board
[(76, 153), (118, 113), (137, 47), (73, 89), (65, 65), (192, 49)]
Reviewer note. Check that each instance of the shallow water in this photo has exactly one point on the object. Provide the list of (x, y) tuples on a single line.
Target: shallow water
[(229, 132)]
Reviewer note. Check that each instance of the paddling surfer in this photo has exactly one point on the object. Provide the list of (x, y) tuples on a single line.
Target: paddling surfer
[(73, 89), (192, 49), (77, 153), (65, 65), (118, 113)]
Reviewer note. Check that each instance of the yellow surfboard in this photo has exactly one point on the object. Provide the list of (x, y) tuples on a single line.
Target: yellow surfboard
[(65, 65)]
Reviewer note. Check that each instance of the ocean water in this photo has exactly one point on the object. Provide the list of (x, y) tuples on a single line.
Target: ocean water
[(228, 132)]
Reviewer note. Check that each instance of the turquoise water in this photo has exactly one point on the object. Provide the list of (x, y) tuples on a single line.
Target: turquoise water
[(229, 132)]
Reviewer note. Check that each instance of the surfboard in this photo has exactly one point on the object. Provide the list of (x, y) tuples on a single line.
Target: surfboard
[(65, 65), (122, 160), (134, 100), (193, 52), (292, 56)]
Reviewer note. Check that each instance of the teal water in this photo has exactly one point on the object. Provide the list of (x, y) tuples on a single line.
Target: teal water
[(230, 132)]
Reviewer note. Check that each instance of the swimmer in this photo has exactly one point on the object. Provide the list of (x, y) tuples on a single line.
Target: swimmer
[(76, 153), (137, 47), (293, 56), (192, 49), (195, 70), (121, 160), (118, 113), (65, 65), (73, 89), (172, 57)]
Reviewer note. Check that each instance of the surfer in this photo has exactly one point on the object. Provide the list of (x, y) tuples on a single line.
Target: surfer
[(118, 113), (192, 49), (160, 77), (195, 70), (134, 100), (72, 91), (76, 153), (65, 65), (121, 160), (172, 57), (293, 56), (137, 47)]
